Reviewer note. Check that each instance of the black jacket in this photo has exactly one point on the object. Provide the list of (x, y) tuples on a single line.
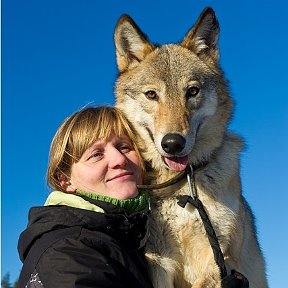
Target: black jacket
[(93, 249)]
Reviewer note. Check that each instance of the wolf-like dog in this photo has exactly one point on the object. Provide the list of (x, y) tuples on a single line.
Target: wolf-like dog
[(178, 100)]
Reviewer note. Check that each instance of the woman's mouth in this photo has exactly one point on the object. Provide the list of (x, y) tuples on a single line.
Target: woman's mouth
[(121, 176)]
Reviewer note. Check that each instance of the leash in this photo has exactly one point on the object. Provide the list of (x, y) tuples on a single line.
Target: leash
[(168, 183), (180, 176), (196, 202), (235, 279)]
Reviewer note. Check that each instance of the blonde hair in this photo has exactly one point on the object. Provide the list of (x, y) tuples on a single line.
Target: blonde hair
[(81, 130)]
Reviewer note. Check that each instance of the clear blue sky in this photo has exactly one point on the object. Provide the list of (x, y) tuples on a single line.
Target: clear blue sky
[(58, 55)]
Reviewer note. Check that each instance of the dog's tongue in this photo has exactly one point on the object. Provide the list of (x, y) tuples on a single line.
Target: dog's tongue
[(177, 163)]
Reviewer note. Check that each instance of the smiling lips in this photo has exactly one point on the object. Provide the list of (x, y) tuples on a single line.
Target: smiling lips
[(123, 174)]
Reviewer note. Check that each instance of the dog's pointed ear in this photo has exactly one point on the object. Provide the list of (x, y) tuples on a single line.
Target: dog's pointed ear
[(202, 39), (132, 46)]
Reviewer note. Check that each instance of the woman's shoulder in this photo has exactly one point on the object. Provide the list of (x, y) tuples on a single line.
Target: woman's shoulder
[(94, 254)]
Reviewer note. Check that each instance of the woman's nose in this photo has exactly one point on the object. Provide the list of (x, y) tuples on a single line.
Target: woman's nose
[(116, 158)]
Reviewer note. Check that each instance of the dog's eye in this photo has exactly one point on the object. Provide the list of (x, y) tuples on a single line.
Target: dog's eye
[(151, 95), (192, 92)]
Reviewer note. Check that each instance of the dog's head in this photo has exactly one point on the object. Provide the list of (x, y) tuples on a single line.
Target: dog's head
[(175, 95)]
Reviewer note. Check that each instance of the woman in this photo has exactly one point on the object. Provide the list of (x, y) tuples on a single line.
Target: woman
[(91, 230)]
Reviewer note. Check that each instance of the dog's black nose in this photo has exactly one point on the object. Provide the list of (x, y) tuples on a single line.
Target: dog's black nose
[(173, 143)]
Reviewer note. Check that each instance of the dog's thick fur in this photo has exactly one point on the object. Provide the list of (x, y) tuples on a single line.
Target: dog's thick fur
[(177, 98)]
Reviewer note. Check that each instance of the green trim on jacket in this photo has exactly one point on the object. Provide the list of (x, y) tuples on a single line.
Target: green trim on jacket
[(72, 200), (133, 205)]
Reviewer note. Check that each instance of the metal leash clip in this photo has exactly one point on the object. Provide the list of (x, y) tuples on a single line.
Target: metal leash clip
[(191, 186), (184, 199)]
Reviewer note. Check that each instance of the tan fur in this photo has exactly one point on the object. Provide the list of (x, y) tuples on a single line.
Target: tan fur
[(181, 89)]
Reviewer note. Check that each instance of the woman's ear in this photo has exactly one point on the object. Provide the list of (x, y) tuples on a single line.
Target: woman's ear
[(65, 183)]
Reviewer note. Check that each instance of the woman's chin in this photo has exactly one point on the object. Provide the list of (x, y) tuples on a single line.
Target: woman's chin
[(128, 193)]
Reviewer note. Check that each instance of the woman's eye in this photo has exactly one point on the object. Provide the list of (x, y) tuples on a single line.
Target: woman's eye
[(97, 155), (125, 148)]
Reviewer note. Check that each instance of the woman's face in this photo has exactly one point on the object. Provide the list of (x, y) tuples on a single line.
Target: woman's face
[(110, 168)]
